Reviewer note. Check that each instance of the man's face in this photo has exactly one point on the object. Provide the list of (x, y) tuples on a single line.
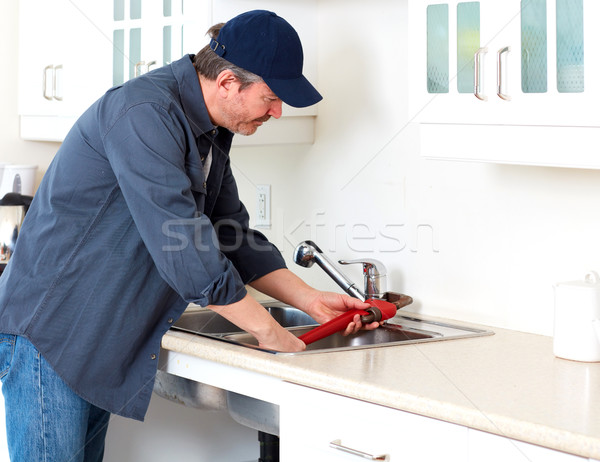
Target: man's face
[(244, 111)]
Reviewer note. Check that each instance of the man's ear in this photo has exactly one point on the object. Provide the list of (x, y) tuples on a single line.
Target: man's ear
[(225, 83)]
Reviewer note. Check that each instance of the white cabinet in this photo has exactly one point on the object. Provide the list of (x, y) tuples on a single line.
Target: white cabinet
[(322, 426), (87, 46), (482, 71), (317, 425), (63, 48)]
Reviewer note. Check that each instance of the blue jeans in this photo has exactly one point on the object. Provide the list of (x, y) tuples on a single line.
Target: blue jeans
[(45, 420)]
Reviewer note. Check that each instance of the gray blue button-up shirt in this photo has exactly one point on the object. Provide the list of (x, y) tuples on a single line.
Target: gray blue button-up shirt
[(124, 231)]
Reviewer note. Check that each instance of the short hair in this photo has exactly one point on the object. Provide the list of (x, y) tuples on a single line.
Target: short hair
[(209, 65)]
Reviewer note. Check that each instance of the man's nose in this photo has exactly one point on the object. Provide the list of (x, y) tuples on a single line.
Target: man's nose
[(275, 110)]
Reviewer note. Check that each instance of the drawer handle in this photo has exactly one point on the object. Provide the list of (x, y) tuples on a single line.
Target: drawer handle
[(337, 444)]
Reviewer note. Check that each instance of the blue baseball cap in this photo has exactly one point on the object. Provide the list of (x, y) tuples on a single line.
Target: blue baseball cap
[(261, 42)]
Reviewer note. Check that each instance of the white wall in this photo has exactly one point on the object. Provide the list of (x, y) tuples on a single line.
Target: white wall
[(476, 242)]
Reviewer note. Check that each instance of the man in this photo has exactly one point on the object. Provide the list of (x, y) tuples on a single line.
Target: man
[(137, 216)]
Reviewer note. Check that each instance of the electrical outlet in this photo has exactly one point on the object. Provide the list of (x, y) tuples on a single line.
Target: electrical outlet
[(263, 206)]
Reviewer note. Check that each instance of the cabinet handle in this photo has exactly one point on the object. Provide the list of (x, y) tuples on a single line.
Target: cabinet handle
[(54, 79), (478, 89), (337, 444), (44, 82), (138, 65), (500, 68)]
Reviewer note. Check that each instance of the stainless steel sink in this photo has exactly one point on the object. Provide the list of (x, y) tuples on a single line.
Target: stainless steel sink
[(399, 330), (264, 416)]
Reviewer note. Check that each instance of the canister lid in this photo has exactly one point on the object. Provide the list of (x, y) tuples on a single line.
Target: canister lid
[(591, 280)]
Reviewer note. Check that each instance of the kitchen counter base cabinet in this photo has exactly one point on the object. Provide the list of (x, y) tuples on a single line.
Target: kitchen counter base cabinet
[(314, 419), (317, 425)]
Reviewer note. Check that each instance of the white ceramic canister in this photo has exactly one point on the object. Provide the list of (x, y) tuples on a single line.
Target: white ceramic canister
[(17, 178), (577, 319)]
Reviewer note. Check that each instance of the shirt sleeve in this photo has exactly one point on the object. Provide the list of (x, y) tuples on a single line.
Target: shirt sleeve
[(147, 147), (248, 249)]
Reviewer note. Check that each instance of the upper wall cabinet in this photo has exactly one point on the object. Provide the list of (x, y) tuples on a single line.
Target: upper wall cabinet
[(63, 52), (91, 45), (514, 81)]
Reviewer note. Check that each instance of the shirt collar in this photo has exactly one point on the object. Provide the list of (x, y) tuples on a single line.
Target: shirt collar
[(191, 96)]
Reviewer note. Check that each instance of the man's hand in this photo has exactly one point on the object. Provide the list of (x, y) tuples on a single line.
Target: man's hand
[(284, 285), (250, 316), (328, 305)]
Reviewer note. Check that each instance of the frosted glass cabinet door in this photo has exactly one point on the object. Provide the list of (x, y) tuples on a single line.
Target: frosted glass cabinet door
[(136, 38), (151, 33)]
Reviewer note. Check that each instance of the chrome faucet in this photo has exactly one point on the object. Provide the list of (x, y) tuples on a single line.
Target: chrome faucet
[(374, 273), (307, 253)]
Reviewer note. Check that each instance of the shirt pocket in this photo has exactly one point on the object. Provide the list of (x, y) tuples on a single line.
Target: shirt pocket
[(7, 348)]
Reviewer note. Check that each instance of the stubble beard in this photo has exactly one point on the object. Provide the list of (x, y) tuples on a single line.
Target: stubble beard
[(237, 119)]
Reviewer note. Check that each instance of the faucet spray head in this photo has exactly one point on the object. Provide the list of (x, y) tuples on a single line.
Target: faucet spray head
[(304, 255), (307, 253)]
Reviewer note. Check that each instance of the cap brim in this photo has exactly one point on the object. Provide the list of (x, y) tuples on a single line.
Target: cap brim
[(295, 92)]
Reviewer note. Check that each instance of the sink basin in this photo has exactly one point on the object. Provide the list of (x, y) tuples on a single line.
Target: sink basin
[(399, 330), (203, 321)]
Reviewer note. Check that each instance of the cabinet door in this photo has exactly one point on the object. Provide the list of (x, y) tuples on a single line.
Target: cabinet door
[(550, 75), (321, 426), (136, 38), (40, 63), (63, 48), (535, 66)]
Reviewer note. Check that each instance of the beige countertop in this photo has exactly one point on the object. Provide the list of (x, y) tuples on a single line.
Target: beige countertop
[(509, 383)]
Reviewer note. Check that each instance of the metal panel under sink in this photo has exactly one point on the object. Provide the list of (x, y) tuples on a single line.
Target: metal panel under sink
[(399, 330)]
